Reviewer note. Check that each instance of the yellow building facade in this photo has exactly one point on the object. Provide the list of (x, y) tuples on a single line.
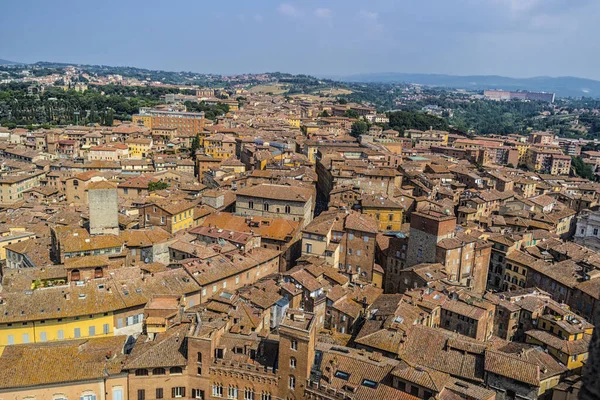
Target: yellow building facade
[(182, 220), (83, 326)]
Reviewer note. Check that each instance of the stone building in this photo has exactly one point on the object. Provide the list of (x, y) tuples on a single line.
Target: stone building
[(104, 208), (427, 229), (276, 201)]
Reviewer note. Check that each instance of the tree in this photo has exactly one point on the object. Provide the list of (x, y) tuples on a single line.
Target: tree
[(195, 145), (581, 168), (359, 128), (351, 114), (342, 101), (157, 185), (324, 114)]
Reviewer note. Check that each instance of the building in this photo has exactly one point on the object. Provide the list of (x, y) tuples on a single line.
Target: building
[(275, 233), (103, 208), (297, 338), (113, 152), (186, 123), (521, 95), (427, 229), (346, 241), (78, 369), (294, 203), (13, 235), (388, 212), (587, 232), (12, 186), (172, 216), (139, 147)]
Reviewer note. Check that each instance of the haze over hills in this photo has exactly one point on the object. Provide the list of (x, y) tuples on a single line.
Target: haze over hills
[(564, 86), (7, 62)]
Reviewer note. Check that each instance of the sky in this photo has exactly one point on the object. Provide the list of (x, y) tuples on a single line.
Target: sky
[(517, 38)]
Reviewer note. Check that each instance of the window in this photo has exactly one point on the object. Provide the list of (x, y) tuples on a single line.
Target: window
[(117, 394), (351, 236), (197, 394), (251, 204), (287, 209), (265, 396), (141, 372), (342, 375), (308, 248), (199, 371), (178, 391), (43, 337), (294, 344), (88, 397), (366, 239), (11, 339), (147, 217), (141, 394), (292, 362), (574, 357), (61, 334), (217, 390), (232, 392), (199, 357), (265, 206), (92, 331), (175, 370), (105, 329), (25, 338), (595, 231), (159, 371), (372, 384), (414, 390), (292, 382)]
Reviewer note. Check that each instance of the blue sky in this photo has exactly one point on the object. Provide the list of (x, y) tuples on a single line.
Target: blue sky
[(517, 38)]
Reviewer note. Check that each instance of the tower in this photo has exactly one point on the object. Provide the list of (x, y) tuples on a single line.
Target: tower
[(427, 229), (297, 334), (104, 208)]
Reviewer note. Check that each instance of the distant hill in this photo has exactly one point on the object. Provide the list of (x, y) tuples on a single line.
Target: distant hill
[(563, 86), (6, 62)]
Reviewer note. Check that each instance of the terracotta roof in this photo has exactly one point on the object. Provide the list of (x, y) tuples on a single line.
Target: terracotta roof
[(23, 366), (168, 349), (512, 367), (277, 192)]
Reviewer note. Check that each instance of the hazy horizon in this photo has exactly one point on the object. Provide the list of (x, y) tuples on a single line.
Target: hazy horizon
[(511, 38)]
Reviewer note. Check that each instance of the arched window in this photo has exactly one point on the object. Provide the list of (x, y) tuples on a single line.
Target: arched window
[(292, 362), (75, 275), (292, 382), (287, 209), (265, 206), (141, 372), (249, 394), (158, 371), (176, 370), (250, 204)]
